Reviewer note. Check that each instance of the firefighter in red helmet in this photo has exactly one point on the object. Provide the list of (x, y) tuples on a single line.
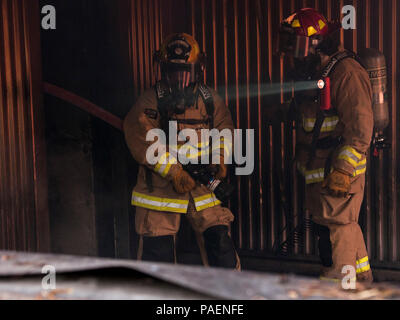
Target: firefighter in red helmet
[(332, 141)]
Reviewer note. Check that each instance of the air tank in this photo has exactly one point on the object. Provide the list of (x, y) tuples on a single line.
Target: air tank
[(375, 63)]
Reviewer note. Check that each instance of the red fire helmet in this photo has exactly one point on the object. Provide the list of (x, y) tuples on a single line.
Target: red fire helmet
[(303, 30)]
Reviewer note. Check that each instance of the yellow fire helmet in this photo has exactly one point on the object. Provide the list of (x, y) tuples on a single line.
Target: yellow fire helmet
[(180, 56)]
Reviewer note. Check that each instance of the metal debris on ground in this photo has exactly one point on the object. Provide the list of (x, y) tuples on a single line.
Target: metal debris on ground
[(80, 277)]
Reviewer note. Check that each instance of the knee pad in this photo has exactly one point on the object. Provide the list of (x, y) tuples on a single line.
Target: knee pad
[(324, 244), (159, 249), (219, 247)]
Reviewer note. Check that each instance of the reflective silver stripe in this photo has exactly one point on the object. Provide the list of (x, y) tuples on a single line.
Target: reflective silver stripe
[(159, 204), (347, 153), (312, 176), (364, 264), (206, 201), (329, 124)]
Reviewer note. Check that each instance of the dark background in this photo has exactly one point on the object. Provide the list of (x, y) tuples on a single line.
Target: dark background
[(81, 172)]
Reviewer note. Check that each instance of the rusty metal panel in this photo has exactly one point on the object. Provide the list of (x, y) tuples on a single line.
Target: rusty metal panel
[(146, 30), (23, 186), (99, 278), (238, 41)]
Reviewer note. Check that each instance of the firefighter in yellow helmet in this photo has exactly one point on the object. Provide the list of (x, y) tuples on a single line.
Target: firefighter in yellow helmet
[(333, 136), (165, 191)]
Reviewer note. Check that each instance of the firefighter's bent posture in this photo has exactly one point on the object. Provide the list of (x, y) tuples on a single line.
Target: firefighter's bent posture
[(331, 145), (164, 191)]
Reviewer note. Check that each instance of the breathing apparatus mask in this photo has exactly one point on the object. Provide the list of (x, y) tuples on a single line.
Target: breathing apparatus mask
[(301, 53), (181, 81), (181, 65)]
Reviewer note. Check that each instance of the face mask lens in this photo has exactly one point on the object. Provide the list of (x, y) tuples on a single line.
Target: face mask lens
[(180, 80), (294, 45), (301, 47)]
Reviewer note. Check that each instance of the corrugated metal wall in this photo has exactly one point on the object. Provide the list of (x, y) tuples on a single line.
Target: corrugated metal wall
[(239, 47), (146, 32), (23, 189), (237, 36)]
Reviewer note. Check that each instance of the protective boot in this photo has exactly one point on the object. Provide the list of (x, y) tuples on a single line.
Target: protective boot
[(159, 249), (219, 247)]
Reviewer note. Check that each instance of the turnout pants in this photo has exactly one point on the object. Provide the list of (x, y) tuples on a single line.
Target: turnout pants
[(341, 242), (158, 229)]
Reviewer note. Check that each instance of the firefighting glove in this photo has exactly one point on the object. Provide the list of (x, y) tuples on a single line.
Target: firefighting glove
[(183, 182), (337, 183), (222, 171)]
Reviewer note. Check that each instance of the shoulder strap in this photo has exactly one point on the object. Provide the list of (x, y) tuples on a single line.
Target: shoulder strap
[(208, 100), (162, 97), (335, 60)]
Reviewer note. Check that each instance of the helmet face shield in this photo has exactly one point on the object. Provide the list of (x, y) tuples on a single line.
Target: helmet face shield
[(179, 76), (181, 64), (295, 45)]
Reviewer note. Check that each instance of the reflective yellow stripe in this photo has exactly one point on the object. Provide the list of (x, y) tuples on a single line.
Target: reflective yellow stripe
[(362, 260), (164, 164), (348, 159), (358, 172), (312, 176), (207, 201), (158, 203), (361, 168), (350, 155), (363, 265), (364, 269), (328, 125)]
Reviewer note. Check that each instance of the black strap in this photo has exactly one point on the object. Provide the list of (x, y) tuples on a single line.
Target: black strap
[(208, 100), (335, 60), (162, 93), (316, 133)]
